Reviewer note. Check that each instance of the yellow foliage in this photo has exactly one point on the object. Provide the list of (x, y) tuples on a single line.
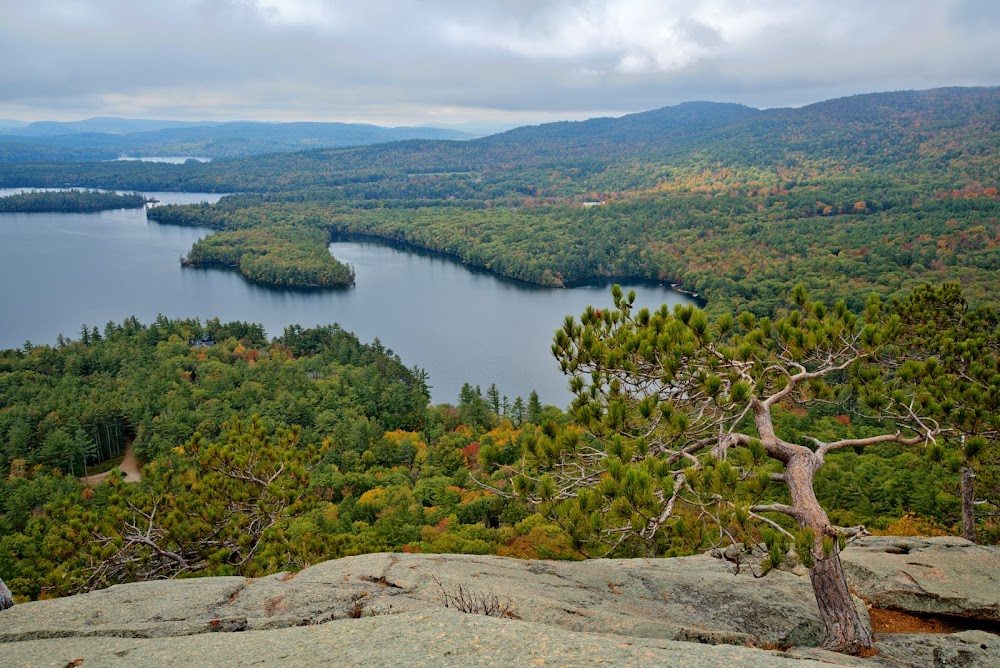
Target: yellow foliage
[(376, 498), (18, 468)]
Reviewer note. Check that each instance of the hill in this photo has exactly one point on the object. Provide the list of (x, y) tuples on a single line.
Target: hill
[(102, 125), (98, 138)]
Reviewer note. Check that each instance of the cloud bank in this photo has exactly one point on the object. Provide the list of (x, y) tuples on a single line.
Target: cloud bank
[(448, 61)]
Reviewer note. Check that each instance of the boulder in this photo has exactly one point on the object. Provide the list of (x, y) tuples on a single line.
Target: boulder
[(967, 649), (938, 576), (6, 598)]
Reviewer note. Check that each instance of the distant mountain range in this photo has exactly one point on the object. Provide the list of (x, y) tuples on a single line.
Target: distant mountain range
[(108, 138)]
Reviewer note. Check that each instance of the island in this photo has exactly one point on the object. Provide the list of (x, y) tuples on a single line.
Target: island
[(70, 201)]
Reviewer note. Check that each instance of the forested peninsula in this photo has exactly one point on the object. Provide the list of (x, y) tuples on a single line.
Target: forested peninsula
[(70, 201), (873, 192)]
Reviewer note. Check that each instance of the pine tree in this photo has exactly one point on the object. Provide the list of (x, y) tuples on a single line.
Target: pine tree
[(534, 408), (677, 413)]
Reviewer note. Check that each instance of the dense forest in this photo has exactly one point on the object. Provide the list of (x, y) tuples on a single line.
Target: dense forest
[(71, 201), (265, 455)]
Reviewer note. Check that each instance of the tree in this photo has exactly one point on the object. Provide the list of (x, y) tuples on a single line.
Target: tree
[(677, 418), (534, 408), (518, 411), (493, 397), (955, 357), (214, 508)]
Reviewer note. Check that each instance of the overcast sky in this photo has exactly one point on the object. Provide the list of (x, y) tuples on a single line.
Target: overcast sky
[(402, 62)]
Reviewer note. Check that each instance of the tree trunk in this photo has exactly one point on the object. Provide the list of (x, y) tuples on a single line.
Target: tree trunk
[(844, 630), (842, 625), (6, 598), (968, 504)]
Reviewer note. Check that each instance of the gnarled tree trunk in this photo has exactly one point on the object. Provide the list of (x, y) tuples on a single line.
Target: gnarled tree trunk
[(845, 631), (6, 598)]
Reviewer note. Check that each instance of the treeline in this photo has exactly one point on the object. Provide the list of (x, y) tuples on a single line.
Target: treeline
[(70, 201)]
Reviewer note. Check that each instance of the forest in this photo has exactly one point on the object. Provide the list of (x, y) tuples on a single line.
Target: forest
[(70, 201)]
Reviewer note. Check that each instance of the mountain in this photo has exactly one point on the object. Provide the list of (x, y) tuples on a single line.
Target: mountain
[(103, 125), (7, 124), (107, 138)]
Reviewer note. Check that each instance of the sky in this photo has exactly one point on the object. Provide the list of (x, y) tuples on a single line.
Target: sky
[(474, 62)]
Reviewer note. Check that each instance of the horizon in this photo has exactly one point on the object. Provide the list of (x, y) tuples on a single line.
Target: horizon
[(498, 127)]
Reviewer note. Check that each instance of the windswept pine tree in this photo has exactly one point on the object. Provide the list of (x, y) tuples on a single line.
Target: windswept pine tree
[(679, 436)]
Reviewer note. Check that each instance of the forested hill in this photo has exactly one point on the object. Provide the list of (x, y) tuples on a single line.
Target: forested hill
[(940, 128), (876, 192), (106, 139)]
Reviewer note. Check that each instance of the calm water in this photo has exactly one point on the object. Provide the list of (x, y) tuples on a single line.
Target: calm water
[(58, 271), (170, 159)]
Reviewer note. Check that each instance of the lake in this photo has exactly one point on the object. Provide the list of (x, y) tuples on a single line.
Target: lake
[(59, 271)]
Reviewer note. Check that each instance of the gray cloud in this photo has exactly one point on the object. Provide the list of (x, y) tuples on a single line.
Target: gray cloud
[(441, 61)]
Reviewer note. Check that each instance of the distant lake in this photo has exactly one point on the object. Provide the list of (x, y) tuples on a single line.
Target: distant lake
[(59, 271), (170, 159)]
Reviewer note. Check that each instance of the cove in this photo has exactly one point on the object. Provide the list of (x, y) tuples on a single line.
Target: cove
[(59, 271)]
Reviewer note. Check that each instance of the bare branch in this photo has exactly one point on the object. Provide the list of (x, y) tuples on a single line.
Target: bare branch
[(871, 440), (777, 508)]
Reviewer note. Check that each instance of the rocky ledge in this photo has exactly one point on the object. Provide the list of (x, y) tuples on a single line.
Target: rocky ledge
[(411, 609)]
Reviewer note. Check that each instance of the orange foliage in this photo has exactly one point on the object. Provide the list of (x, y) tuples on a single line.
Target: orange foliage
[(911, 525)]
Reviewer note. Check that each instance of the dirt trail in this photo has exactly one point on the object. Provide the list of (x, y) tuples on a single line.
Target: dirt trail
[(129, 466)]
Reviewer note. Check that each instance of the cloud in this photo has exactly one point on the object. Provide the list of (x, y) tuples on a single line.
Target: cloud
[(409, 61)]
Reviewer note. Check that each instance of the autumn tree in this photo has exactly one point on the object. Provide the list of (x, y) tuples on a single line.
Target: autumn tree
[(676, 416)]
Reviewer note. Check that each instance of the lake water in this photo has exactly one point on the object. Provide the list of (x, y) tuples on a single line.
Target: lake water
[(59, 271), (169, 159)]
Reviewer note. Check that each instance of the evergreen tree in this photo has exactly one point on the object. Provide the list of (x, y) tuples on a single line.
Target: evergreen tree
[(493, 397), (534, 408), (678, 412), (517, 411)]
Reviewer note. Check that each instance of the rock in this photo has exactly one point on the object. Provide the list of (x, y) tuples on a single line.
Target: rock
[(382, 609), (939, 576), (968, 649), (690, 598), (139, 610), (439, 637), (6, 598)]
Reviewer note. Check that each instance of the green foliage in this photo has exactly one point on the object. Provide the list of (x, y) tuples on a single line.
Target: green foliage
[(260, 456), (72, 201), (689, 426)]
